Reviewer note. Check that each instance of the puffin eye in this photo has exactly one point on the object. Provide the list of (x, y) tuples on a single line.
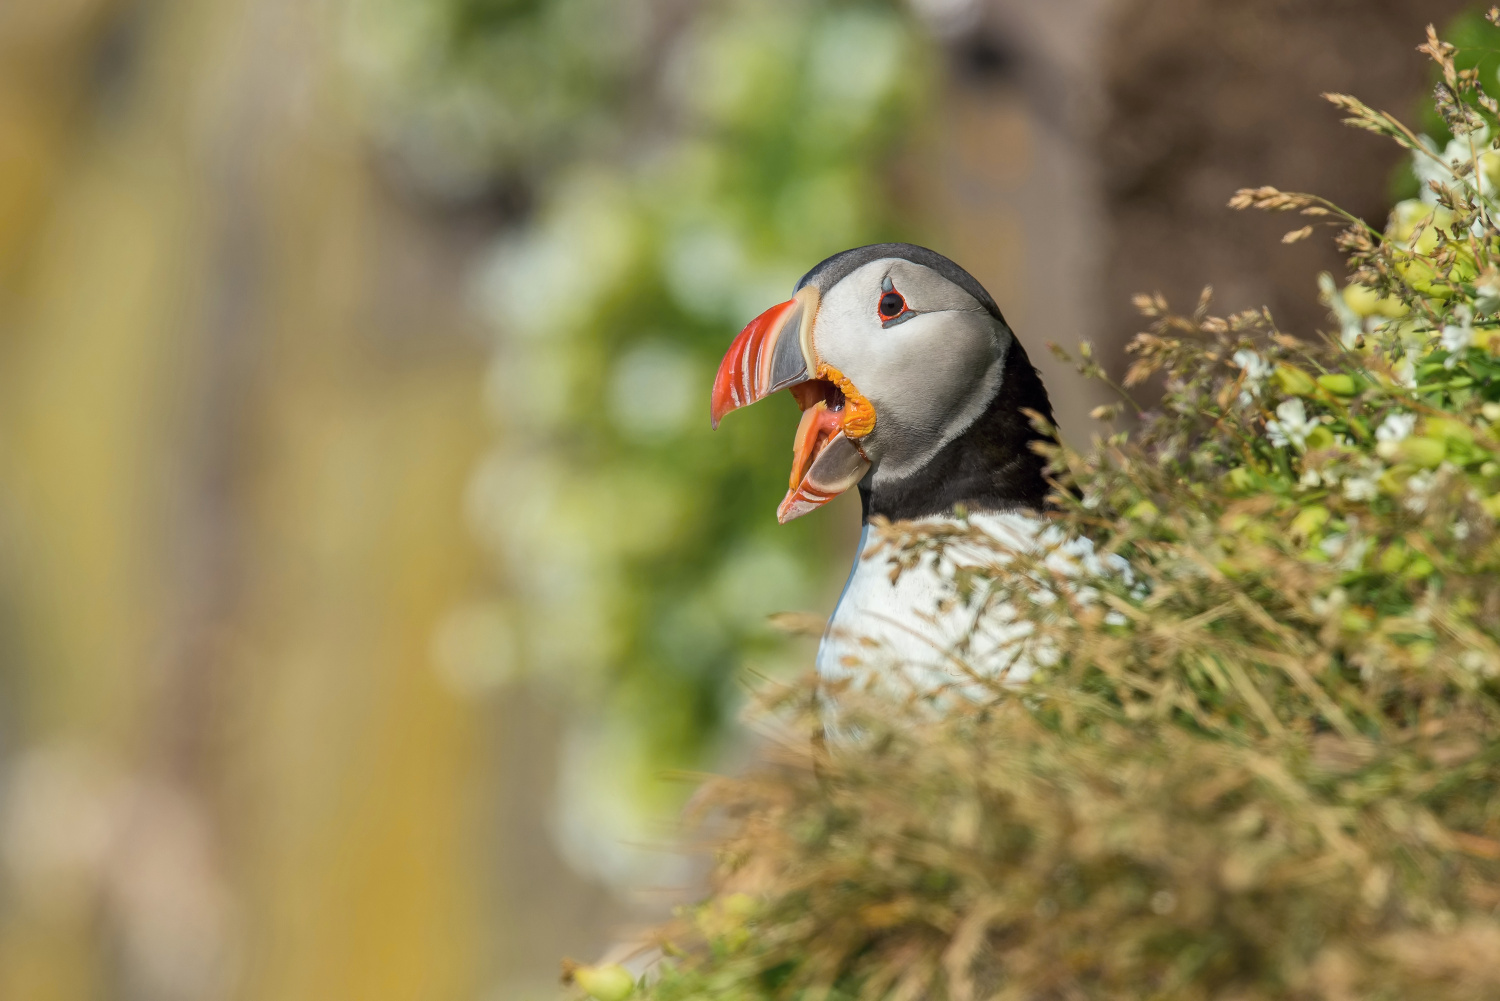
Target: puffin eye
[(891, 305)]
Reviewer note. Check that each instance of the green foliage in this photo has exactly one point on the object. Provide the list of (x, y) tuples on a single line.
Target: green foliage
[(1263, 763), (685, 164)]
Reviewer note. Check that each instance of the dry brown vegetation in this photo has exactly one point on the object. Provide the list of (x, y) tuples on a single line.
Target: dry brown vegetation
[(1262, 763)]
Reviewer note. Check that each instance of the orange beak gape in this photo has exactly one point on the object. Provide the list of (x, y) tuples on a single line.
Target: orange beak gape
[(775, 352)]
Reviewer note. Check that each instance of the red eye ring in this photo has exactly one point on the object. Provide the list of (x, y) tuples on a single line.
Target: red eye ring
[(891, 305)]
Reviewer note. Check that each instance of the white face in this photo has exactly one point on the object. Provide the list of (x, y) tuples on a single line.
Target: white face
[(929, 373)]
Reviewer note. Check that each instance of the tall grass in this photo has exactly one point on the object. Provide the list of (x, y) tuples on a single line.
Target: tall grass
[(1261, 764)]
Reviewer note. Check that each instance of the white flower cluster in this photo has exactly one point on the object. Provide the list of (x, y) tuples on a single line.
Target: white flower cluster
[(1345, 553), (1457, 337), (1256, 370), (1291, 425), (1488, 287), (1357, 475), (1364, 486), (1396, 427), (1460, 151)]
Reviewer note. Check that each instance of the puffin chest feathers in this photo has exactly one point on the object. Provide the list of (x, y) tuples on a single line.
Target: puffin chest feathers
[(913, 635), (913, 388)]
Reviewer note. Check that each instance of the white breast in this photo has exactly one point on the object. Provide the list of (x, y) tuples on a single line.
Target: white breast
[(916, 635)]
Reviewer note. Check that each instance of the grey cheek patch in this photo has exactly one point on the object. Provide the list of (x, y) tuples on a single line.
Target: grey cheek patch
[(916, 434)]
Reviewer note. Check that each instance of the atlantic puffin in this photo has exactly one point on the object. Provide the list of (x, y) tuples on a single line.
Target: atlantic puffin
[(913, 388)]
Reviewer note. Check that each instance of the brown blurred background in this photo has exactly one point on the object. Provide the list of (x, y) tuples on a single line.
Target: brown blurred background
[(265, 727)]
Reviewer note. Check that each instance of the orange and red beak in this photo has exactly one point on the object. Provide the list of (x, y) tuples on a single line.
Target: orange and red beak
[(775, 352)]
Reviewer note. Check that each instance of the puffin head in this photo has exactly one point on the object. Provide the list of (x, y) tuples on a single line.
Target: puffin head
[(911, 385)]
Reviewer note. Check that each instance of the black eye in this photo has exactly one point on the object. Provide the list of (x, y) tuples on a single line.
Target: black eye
[(891, 305)]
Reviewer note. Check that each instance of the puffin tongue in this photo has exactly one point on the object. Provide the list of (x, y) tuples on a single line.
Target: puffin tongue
[(825, 462), (818, 425)]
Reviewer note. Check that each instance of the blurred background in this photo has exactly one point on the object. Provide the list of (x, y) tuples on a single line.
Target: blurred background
[(370, 581)]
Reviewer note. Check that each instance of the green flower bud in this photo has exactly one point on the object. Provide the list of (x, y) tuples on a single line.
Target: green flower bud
[(1412, 215), (1294, 381), (1339, 385), (1394, 557), (1361, 298), (1418, 568), (740, 905), (1392, 482), (1367, 302), (610, 982), (1240, 478), (1424, 452), (1309, 520), (1424, 278), (1319, 437), (1449, 430)]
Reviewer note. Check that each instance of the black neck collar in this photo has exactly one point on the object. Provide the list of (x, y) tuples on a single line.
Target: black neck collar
[(989, 467)]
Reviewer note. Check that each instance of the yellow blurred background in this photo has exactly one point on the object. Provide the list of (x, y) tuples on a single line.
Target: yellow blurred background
[(240, 407), (365, 560)]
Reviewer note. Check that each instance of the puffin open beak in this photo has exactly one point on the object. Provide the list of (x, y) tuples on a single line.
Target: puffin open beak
[(775, 352)]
